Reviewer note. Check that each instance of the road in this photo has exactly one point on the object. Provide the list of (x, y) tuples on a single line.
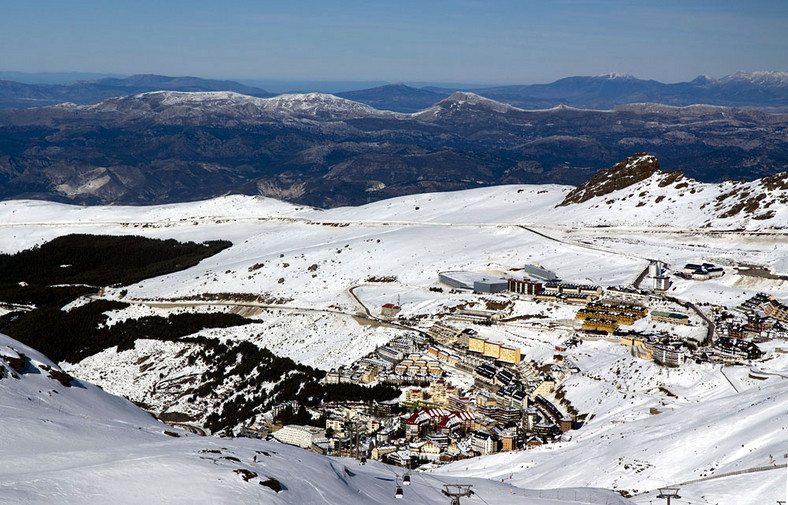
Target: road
[(640, 277), (722, 371), (364, 314), (689, 305)]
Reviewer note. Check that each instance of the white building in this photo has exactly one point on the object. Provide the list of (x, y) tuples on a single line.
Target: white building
[(483, 443), (661, 283), (301, 436)]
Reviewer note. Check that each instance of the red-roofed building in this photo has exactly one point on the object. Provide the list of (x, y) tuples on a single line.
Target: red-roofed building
[(417, 424), (389, 310), (456, 421)]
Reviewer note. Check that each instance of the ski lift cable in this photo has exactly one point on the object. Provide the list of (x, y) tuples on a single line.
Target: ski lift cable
[(424, 500), (475, 492), (399, 487)]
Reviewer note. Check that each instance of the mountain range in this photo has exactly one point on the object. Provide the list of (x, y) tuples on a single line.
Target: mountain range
[(15, 94), (326, 151), (764, 90)]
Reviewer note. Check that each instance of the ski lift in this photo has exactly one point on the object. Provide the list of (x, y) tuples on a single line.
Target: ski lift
[(363, 460), (406, 479), (398, 491)]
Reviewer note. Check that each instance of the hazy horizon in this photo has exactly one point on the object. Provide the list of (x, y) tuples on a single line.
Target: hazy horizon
[(279, 86), (465, 41)]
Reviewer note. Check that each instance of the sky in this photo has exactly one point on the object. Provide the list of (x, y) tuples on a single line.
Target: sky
[(471, 41)]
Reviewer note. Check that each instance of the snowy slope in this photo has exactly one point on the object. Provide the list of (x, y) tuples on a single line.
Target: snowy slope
[(314, 257), (323, 263), (79, 445), (701, 428)]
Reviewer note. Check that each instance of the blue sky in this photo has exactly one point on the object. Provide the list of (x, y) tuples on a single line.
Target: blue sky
[(473, 41)]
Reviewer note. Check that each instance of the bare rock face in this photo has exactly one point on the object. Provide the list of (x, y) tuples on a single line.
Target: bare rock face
[(623, 174)]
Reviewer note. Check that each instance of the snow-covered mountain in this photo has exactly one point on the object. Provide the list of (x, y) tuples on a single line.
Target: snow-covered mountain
[(168, 106), (771, 79), (640, 179), (326, 266), (322, 150), (76, 444), (461, 102)]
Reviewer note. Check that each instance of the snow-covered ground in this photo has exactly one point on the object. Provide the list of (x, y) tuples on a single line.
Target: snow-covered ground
[(80, 445), (653, 428), (325, 266), (315, 257)]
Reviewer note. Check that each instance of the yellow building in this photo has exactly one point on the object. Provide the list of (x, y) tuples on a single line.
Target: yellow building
[(607, 325), (510, 354), (440, 392), (492, 349), (414, 395), (379, 452), (369, 375), (485, 401), (476, 344), (544, 388)]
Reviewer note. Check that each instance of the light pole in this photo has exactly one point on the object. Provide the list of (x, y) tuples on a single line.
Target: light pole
[(668, 493)]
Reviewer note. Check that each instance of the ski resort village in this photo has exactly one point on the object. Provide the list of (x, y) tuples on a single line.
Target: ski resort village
[(469, 389), (527, 342)]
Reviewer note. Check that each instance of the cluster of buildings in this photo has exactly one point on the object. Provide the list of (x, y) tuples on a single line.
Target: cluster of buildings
[(401, 360), (702, 272), (657, 348), (505, 410), (735, 349), (606, 317), (759, 319), (503, 414), (543, 284), (504, 402)]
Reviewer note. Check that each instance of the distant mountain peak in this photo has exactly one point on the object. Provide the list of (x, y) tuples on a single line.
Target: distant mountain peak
[(321, 104), (466, 100), (701, 80), (759, 78)]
